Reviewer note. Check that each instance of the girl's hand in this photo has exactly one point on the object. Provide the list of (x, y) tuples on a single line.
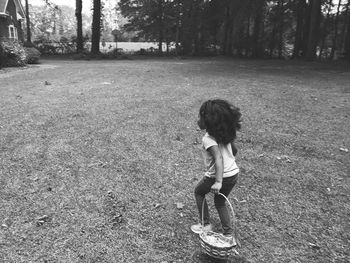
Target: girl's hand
[(215, 188)]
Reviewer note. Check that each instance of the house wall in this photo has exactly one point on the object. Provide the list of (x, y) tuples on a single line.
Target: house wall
[(3, 27), (11, 9), (11, 19)]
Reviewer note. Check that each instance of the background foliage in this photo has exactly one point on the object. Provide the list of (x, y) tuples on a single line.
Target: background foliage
[(251, 28), (12, 54)]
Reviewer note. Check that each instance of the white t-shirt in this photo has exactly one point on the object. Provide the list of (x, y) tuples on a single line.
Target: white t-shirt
[(230, 166)]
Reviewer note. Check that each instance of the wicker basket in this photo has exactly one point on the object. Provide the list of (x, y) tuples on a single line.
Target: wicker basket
[(214, 244)]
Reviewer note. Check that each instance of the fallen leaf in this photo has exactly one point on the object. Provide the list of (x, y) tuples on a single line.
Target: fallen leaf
[(284, 157), (344, 150), (314, 246), (7, 223), (43, 218), (179, 205)]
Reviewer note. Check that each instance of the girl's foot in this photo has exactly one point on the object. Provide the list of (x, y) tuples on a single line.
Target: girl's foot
[(198, 228)]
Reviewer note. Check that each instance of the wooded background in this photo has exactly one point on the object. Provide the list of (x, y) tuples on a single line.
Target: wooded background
[(251, 28)]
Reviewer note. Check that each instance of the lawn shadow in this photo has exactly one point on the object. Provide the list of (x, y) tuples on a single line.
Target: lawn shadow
[(200, 257)]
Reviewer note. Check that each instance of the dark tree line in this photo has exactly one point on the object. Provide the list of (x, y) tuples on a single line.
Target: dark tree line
[(250, 28)]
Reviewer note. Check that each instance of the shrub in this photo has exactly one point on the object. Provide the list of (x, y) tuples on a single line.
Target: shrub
[(54, 46), (13, 54), (81, 55), (32, 55)]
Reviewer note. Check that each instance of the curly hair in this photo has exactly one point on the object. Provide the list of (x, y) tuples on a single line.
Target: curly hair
[(221, 120)]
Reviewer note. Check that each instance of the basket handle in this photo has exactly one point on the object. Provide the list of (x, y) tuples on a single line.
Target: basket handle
[(232, 211)]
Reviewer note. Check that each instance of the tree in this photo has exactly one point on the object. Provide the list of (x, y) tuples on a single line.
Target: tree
[(236, 27), (153, 20), (257, 50), (334, 42), (343, 29), (96, 27), (29, 35), (347, 39), (78, 9), (313, 29), (160, 25), (325, 27), (281, 23), (228, 28), (300, 28)]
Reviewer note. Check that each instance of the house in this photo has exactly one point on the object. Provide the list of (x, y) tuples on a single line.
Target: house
[(11, 16)]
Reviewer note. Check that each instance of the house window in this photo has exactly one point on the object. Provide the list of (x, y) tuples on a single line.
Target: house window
[(13, 32)]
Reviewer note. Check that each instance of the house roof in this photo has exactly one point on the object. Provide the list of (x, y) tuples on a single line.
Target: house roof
[(19, 7)]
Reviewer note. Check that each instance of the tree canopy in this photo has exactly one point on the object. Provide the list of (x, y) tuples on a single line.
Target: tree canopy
[(251, 28)]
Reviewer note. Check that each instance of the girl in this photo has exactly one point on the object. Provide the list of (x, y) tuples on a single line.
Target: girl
[(221, 120)]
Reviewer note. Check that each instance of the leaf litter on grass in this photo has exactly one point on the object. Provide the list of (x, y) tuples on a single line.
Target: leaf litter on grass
[(134, 142)]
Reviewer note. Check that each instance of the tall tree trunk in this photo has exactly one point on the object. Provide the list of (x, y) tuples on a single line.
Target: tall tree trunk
[(239, 45), (248, 42), (177, 33), (232, 19), (78, 9), (306, 28), (258, 29), (299, 28), (160, 26), (187, 27), (29, 35), (96, 27), (281, 22), (229, 44), (314, 28), (324, 30), (226, 30), (343, 30), (334, 42), (272, 40), (347, 39), (197, 26)]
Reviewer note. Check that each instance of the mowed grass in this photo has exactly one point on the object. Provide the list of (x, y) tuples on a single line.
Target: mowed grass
[(95, 156)]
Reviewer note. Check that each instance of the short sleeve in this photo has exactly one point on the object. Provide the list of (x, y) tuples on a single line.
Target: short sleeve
[(208, 141)]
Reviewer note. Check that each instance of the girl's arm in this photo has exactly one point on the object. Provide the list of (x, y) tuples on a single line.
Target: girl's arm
[(234, 149), (219, 168)]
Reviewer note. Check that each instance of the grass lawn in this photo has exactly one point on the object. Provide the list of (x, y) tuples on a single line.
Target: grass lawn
[(97, 157)]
